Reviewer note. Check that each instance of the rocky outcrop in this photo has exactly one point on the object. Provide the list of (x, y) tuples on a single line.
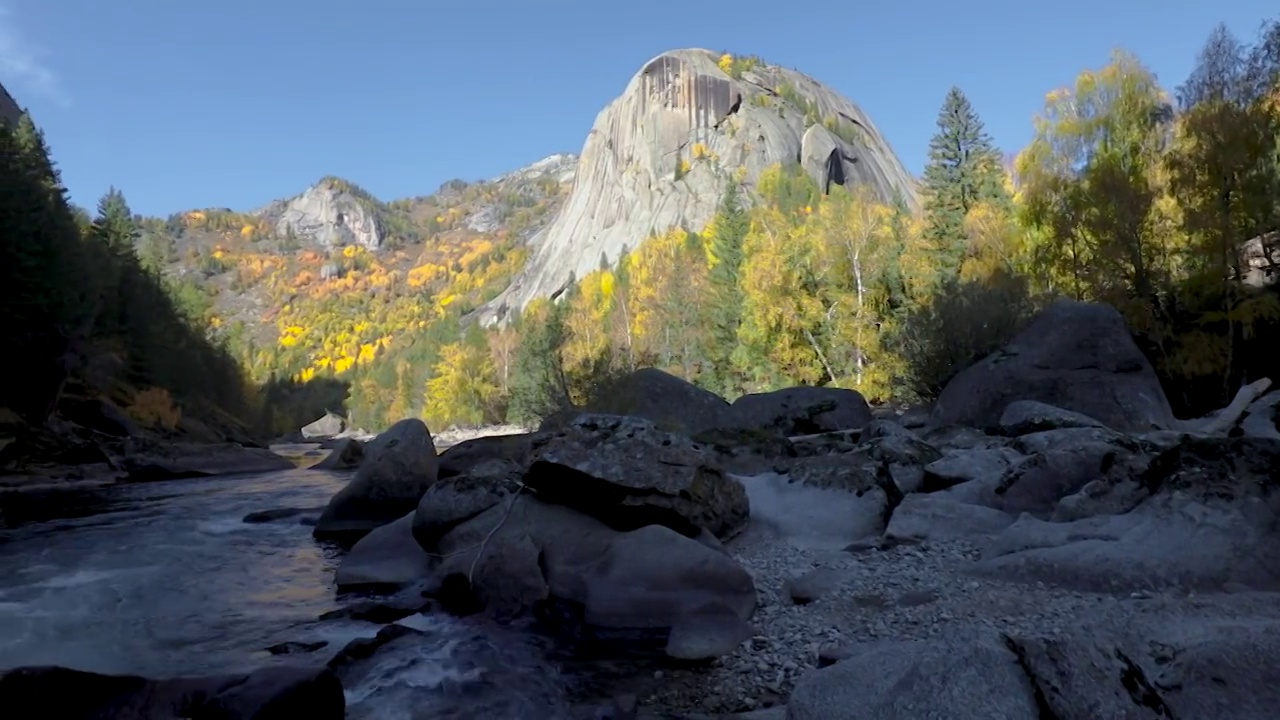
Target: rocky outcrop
[(332, 213), (147, 462), (660, 155), (530, 184), (1075, 356)]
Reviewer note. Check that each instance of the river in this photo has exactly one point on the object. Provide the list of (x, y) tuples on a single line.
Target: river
[(165, 579)]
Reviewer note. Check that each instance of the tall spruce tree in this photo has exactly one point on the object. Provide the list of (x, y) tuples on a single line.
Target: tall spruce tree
[(963, 170), (724, 311)]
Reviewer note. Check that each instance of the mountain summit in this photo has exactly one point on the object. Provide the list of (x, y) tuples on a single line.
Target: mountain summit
[(689, 122)]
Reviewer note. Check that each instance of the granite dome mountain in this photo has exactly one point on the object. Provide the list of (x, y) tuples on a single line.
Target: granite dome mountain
[(659, 156)]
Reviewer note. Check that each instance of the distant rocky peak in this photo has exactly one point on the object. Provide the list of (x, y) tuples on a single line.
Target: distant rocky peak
[(332, 213), (559, 167)]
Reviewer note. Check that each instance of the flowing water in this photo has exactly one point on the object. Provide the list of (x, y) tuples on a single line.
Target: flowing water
[(165, 579)]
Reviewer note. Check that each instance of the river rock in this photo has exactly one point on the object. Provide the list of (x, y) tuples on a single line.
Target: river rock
[(389, 556), (937, 517), (398, 467), (964, 466), (456, 499), (801, 410), (626, 472), (683, 597), (1062, 462), (273, 693), (1075, 356)]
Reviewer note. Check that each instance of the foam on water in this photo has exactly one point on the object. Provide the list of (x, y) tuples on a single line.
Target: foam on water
[(227, 525), (76, 578)]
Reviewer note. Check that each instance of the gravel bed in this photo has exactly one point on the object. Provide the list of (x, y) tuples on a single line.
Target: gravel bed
[(905, 592)]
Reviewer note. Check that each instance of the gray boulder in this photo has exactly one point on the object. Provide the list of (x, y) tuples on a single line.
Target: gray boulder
[(626, 472), (1075, 356), (1208, 522), (398, 467), (1027, 416), (801, 410), (387, 557), (649, 588), (672, 404)]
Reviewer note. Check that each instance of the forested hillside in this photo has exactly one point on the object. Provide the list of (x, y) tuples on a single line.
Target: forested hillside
[(1163, 203), (87, 327), (1162, 200), (375, 319)]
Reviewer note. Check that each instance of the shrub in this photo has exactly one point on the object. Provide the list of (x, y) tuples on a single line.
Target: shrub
[(154, 408), (962, 324)]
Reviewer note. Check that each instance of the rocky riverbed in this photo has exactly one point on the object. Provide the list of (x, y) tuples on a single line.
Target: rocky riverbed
[(1047, 541)]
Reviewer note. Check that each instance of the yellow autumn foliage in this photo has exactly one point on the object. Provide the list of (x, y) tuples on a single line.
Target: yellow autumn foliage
[(154, 408)]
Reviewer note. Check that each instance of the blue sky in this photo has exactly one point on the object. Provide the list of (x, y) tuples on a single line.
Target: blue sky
[(236, 102)]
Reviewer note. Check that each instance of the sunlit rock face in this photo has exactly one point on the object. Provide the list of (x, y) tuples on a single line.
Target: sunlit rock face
[(660, 154)]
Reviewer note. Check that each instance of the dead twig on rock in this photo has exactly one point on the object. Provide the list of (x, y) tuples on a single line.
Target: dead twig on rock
[(851, 434), (480, 546)]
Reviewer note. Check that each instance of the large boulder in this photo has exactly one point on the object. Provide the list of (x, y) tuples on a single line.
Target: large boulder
[(1075, 356), (628, 473), (274, 693), (398, 467), (802, 410), (645, 589), (670, 403)]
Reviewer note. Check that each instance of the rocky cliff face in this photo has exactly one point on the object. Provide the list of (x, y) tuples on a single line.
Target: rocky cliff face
[(659, 156), (331, 213)]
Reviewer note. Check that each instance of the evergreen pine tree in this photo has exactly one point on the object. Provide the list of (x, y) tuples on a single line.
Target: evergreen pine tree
[(963, 170), (724, 311)]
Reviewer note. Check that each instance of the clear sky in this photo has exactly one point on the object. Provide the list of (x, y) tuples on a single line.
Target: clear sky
[(232, 103)]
